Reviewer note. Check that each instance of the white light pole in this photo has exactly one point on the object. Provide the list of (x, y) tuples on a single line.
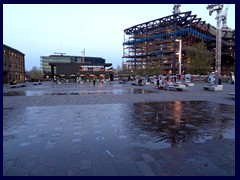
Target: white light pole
[(219, 18), (180, 56), (83, 54)]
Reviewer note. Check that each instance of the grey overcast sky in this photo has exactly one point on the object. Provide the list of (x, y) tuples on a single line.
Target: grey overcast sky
[(40, 30)]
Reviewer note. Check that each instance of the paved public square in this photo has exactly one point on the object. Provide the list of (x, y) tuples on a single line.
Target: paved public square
[(113, 129)]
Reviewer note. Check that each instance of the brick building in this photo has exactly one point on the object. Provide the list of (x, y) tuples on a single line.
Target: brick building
[(13, 65)]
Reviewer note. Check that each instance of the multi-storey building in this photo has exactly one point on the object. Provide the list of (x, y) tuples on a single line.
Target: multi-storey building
[(13, 65), (154, 42), (68, 67)]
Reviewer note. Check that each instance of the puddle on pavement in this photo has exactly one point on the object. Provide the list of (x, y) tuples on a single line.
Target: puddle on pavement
[(175, 122), (44, 93)]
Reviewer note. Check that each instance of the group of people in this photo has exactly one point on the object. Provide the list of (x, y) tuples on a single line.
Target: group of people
[(161, 81)]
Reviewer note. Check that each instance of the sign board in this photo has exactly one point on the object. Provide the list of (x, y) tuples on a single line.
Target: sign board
[(211, 79), (146, 78), (178, 78), (232, 78), (160, 79), (187, 78), (154, 78)]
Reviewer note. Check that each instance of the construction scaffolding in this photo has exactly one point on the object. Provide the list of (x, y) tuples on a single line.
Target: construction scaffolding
[(154, 42)]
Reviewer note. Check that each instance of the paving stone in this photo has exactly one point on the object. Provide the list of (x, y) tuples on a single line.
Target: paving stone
[(145, 168), (85, 164), (119, 134), (148, 157)]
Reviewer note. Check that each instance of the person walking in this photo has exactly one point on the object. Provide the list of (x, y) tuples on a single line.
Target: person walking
[(158, 84), (167, 83)]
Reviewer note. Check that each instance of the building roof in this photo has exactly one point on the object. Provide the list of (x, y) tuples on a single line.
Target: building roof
[(163, 22), (83, 64), (72, 56), (8, 47)]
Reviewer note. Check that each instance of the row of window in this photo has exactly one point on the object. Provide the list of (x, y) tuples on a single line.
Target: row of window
[(13, 65), (12, 54), (14, 76), (14, 61), (55, 60), (91, 69), (17, 66)]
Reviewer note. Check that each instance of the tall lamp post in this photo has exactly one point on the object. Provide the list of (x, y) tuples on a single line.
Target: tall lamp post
[(83, 54), (218, 8), (180, 57)]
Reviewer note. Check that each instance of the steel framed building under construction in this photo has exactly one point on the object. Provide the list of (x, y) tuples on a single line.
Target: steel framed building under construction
[(154, 42)]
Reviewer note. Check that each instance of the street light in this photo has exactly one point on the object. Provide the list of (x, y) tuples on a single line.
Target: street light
[(179, 56), (219, 18)]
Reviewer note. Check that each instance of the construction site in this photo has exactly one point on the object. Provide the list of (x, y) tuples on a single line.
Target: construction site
[(155, 43)]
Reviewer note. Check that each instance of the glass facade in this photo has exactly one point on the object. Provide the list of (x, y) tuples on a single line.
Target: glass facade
[(45, 60)]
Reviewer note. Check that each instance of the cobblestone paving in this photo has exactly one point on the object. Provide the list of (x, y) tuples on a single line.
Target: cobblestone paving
[(117, 130)]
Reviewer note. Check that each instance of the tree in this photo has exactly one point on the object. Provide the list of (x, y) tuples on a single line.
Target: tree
[(152, 69), (200, 59), (35, 74), (156, 69)]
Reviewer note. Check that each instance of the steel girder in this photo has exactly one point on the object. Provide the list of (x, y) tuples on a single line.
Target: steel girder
[(181, 19)]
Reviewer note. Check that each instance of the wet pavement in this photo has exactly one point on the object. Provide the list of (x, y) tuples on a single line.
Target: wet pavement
[(124, 131), (80, 92)]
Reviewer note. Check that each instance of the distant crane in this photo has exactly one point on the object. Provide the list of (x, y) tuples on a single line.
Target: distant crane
[(59, 53), (60, 49), (176, 8), (224, 19), (83, 54), (218, 8)]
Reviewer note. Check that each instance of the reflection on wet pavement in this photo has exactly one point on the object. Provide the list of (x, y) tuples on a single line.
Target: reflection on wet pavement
[(158, 125), (81, 139), (61, 92), (174, 122)]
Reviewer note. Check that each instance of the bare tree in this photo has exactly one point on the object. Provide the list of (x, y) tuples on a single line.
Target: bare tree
[(35, 74)]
